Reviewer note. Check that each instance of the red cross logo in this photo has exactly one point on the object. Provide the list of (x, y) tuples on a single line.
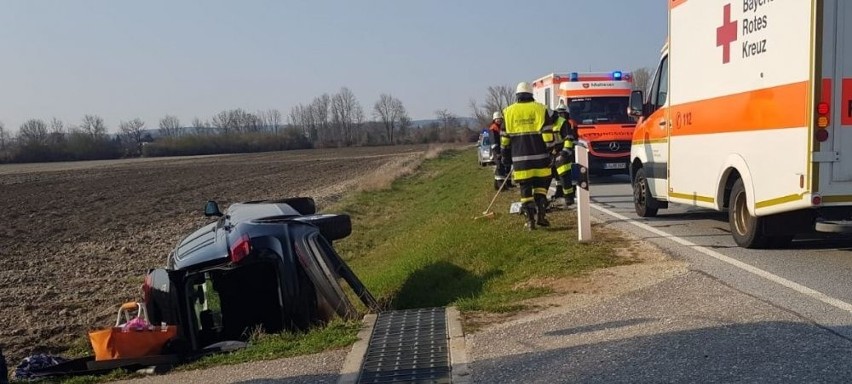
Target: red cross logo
[(726, 34)]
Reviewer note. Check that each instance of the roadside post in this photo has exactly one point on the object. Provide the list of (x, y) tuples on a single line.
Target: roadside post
[(580, 173)]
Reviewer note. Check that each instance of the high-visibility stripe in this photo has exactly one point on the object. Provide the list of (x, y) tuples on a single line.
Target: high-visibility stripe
[(651, 141), (525, 174), (518, 134), (694, 197), (527, 199), (836, 199), (568, 190), (779, 200), (785, 106), (531, 157), (562, 169), (540, 191)]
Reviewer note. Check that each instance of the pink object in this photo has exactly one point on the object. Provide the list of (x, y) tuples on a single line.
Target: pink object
[(137, 324)]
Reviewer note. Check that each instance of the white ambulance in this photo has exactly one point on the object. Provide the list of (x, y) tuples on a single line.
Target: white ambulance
[(597, 102), (750, 112)]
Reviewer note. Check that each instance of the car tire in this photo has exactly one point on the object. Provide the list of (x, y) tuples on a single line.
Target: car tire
[(644, 203), (746, 229)]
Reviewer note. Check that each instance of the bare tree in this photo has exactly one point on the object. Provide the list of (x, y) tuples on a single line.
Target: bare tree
[(93, 125), (449, 124), (201, 127), (274, 120), (4, 138), (346, 113), (132, 134), (57, 131), (319, 110), (483, 118), (641, 78), (33, 132), (224, 122), (302, 116), (169, 126), (498, 98), (389, 110)]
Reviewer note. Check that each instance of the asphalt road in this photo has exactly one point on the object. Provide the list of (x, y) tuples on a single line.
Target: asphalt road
[(736, 315), (814, 265)]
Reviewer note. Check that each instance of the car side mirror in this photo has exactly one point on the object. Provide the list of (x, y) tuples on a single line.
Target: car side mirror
[(211, 208), (637, 104)]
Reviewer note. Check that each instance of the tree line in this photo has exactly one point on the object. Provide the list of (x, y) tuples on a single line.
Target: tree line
[(329, 120)]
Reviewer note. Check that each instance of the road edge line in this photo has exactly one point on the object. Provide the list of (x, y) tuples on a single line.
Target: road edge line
[(834, 302), (355, 358)]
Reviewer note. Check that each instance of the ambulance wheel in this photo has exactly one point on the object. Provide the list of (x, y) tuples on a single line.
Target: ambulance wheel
[(645, 204), (746, 228)]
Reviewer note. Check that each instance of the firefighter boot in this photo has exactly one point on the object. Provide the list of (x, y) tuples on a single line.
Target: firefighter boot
[(569, 199), (541, 203), (529, 214)]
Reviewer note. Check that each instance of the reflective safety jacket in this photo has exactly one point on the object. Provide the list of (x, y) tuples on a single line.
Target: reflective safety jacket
[(563, 135), (529, 134)]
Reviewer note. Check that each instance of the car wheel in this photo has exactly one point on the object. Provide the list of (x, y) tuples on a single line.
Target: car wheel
[(746, 228), (644, 203)]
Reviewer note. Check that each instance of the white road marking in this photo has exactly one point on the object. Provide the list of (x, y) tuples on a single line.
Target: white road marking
[(834, 302)]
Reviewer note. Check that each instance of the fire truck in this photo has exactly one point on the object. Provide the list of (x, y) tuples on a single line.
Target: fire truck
[(597, 102)]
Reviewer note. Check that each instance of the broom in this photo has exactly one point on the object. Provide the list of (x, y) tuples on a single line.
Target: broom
[(488, 214)]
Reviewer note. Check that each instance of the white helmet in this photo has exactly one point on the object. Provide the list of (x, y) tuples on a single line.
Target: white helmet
[(523, 87), (496, 115)]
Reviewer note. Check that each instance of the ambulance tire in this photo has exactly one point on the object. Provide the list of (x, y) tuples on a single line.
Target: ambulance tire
[(646, 205), (746, 229)]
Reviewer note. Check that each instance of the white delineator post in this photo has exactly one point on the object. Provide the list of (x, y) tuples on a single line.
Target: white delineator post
[(581, 188)]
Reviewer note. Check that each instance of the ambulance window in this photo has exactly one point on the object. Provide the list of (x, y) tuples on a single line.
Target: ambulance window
[(547, 97), (663, 85)]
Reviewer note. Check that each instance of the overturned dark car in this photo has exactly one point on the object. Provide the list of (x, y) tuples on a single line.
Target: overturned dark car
[(263, 265)]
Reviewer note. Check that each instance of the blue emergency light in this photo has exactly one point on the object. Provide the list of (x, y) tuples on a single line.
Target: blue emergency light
[(617, 75), (575, 76)]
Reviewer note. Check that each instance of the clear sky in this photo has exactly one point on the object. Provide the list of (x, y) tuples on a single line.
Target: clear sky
[(124, 59)]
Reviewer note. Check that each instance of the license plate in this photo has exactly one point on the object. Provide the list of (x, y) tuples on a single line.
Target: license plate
[(615, 166)]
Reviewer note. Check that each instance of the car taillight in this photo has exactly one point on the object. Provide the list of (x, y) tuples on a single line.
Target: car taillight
[(823, 121), (240, 249)]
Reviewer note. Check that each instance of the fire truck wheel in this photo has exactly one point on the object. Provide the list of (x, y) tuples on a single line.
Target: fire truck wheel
[(746, 228), (646, 205)]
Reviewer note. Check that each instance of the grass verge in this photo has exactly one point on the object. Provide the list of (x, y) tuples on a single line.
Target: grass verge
[(416, 243)]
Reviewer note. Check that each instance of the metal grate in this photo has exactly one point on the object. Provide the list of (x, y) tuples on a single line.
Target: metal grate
[(408, 346)]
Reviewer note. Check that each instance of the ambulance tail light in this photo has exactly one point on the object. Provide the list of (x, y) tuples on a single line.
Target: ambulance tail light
[(816, 200), (823, 108)]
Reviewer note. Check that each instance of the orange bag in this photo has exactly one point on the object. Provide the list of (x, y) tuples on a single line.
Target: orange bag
[(116, 343)]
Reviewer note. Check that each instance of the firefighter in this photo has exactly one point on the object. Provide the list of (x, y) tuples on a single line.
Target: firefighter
[(563, 153), (501, 172), (528, 133)]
